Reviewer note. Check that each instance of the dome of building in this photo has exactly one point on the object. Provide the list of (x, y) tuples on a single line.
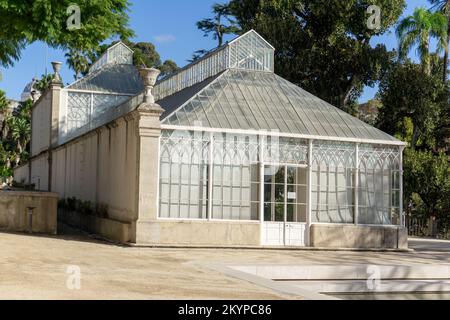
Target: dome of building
[(29, 88)]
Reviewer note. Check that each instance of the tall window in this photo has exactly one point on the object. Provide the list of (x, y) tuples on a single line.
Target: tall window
[(333, 183), (183, 175), (235, 177), (379, 186)]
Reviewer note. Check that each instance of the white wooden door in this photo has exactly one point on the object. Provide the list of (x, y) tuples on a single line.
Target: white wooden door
[(282, 191)]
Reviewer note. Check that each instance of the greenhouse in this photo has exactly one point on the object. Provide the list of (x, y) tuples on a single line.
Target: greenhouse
[(230, 154), (245, 144)]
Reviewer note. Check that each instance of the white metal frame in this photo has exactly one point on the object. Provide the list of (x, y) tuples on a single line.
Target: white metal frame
[(285, 135), (262, 163)]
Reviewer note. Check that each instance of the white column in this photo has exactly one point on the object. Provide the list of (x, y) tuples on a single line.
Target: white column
[(261, 185), (402, 216), (210, 175), (356, 185), (309, 205)]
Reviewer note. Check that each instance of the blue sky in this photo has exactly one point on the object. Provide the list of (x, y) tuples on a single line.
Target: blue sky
[(169, 24)]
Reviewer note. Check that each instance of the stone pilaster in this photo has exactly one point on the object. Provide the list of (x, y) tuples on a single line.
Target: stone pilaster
[(149, 132), (55, 98), (148, 116)]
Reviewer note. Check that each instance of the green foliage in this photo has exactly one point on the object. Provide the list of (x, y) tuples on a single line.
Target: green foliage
[(3, 102), (216, 25), (15, 133), (416, 30), (443, 6), (24, 22), (368, 112), (168, 67), (145, 54), (44, 83), (428, 176), (84, 207), (323, 46), (197, 55), (407, 94), (78, 62)]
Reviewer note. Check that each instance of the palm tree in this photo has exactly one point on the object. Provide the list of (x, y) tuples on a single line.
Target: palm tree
[(417, 30), (78, 62), (20, 132), (443, 6), (3, 103)]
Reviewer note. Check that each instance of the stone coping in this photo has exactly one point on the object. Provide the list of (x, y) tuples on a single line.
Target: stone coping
[(18, 193)]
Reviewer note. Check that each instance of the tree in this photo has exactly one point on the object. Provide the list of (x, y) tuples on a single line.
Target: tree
[(368, 112), (4, 104), (78, 62), (197, 55), (16, 135), (417, 30), (443, 6), (21, 132), (145, 54), (407, 93), (24, 22), (215, 25), (323, 46), (44, 83), (167, 68), (428, 175)]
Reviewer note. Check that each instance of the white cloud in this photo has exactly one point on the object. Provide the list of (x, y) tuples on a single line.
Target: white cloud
[(164, 38)]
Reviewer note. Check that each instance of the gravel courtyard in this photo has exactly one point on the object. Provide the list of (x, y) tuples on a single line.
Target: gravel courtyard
[(34, 267)]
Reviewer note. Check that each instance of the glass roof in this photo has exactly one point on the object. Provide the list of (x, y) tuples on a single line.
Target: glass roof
[(116, 54), (115, 78), (254, 100), (249, 51)]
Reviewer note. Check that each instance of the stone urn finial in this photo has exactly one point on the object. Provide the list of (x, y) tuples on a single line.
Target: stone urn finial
[(149, 77), (56, 71)]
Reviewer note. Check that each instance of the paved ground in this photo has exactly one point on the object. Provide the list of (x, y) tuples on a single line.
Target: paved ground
[(35, 268), (430, 245)]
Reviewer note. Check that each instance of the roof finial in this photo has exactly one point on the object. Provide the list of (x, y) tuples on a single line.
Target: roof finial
[(56, 72)]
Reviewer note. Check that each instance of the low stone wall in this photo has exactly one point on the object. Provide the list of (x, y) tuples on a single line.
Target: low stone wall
[(110, 229), (14, 211), (359, 237), (207, 233)]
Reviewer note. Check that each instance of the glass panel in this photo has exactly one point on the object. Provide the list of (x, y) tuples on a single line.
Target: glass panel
[(379, 185), (235, 177), (183, 175), (332, 200)]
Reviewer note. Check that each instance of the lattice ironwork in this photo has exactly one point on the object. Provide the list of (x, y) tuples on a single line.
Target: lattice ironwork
[(286, 150), (78, 110), (184, 147), (379, 157), (102, 102), (83, 109), (236, 149), (335, 154)]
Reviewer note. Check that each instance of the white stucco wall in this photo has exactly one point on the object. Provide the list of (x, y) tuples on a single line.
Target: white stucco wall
[(39, 172), (21, 174), (41, 124), (100, 167)]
